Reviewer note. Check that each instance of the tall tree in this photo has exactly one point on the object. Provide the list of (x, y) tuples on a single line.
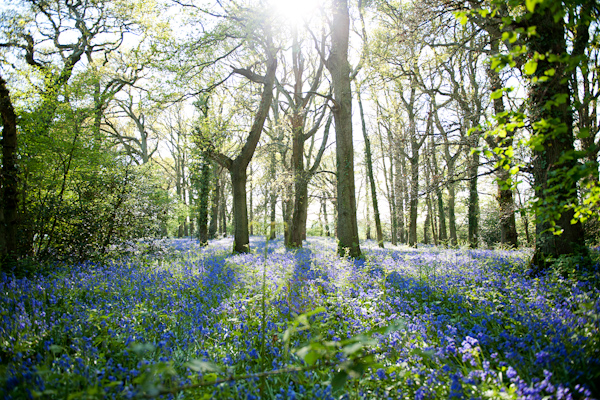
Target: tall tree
[(215, 202), (506, 202), (450, 160), (339, 67), (370, 175), (203, 195), (237, 166), (553, 127), (8, 179), (299, 101)]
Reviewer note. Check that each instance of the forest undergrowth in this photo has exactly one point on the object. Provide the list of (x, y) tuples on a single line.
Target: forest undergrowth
[(176, 320)]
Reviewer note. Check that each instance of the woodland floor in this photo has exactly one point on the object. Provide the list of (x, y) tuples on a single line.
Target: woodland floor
[(425, 323)]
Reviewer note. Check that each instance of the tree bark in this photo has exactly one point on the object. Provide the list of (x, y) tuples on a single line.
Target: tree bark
[(414, 193), (551, 174), (506, 202), (287, 207), (452, 207), (214, 211), (8, 180), (272, 199), (473, 208), (241, 234), (337, 64), (251, 206), (391, 187), (442, 231), (450, 163), (223, 213), (237, 167), (203, 196), (300, 213), (302, 174), (369, 162), (401, 197), (324, 208)]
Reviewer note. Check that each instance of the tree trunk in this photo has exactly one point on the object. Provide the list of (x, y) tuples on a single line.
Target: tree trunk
[(8, 180), (391, 189), (214, 211), (335, 218), (370, 174), (238, 166), (442, 231), (426, 238), (272, 202), (178, 189), (437, 178), (524, 218), (251, 206), (324, 208), (451, 205), (432, 213), (368, 215), (473, 212), (414, 192), (428, 202), (337, 63), (203, 196), (287, 207), (300, 212), (551, 174), (401, 187), (241, 235), (506, 202), (223, 212)]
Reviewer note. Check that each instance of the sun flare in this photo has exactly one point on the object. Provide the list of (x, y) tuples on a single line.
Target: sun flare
[(295, 11)]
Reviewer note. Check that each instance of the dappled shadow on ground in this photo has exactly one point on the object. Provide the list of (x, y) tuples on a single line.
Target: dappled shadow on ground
[(469, 318), (470, 299), (100, 313)]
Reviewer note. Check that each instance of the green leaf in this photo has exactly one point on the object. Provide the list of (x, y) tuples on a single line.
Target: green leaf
[(495, 63), (583, 133), (530, 4), (497, 94), (462, 17), (311, 357), (530, 67), (339, 380), (561, 98), (514, 170), (210, 377), (510, 36)]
